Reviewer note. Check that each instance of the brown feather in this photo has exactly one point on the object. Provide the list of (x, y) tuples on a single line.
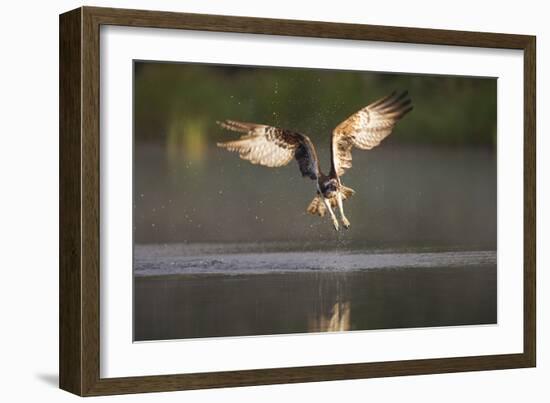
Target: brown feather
[(317, 207), (366, 128), (272, 147)]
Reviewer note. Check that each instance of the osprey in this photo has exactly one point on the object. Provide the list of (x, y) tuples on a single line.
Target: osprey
[(274, 147)]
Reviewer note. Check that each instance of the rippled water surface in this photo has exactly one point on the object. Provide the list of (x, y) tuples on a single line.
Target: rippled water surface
[(215, 290)]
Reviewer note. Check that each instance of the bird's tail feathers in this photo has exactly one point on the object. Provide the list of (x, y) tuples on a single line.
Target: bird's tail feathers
[(346, 192), (317, 207)]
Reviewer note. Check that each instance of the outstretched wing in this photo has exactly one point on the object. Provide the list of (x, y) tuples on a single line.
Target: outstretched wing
[(272, 147), (366, 128)]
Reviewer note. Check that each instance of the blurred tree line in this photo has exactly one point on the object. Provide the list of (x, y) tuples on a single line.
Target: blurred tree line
[(178, 104)]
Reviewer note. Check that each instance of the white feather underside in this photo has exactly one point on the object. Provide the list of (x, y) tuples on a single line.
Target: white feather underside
[(258, 149)]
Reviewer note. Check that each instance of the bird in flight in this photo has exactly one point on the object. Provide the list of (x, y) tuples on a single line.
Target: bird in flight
[(275, 147)]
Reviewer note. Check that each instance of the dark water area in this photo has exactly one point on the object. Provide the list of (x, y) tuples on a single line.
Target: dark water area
[(196, 291)]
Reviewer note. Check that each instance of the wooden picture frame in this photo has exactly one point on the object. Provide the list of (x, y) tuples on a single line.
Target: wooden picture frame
[(79, 201)]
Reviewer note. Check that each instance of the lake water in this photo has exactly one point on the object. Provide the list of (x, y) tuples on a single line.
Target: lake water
[(405, 195), (215, 290), (225, 248)]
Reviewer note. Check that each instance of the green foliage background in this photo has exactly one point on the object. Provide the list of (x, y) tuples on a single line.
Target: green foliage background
[(178, 104)]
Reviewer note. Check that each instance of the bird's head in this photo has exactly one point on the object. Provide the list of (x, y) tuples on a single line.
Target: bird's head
[(329, 188)]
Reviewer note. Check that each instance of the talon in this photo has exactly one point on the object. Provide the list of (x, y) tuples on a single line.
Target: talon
[(346, 223), (336, 226)]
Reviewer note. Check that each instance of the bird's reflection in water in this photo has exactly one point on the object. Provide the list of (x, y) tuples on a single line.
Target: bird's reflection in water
[(338, 319), (196, 306), (332, 310)]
